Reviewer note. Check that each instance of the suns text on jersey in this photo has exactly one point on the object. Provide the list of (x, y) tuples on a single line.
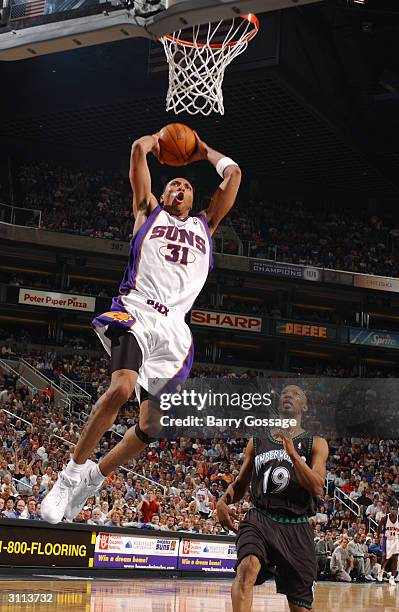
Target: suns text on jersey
[(180, 235)]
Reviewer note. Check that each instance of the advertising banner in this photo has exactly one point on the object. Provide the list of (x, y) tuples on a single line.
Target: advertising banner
[(226, 320), (380, 283), (273, 268), (306, 330), (374, 338), (132, 552), (205, 556), (66, 301), (40, 547)]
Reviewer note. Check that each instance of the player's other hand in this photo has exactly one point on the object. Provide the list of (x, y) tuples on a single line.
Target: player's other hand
[(225, 516), (289, 447), (200, 151), (156, 149)]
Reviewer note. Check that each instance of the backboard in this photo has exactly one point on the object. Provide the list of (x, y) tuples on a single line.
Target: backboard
[(39, 27)]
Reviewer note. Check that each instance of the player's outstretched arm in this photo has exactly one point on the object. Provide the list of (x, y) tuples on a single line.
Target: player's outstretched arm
[(139, 174), (310, 477), (224, 197), (237, 489)]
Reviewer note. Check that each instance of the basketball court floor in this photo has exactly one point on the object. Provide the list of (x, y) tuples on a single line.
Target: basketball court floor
[(156, 595)]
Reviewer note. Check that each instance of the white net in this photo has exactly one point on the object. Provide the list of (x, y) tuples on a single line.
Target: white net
[(197, 63)]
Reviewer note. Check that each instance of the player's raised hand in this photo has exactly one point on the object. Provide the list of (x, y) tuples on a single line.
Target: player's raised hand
[(200, 151), (289, 447)]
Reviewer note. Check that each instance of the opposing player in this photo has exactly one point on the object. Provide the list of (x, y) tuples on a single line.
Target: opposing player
[(388, 527), (145, 332), (275, 538)]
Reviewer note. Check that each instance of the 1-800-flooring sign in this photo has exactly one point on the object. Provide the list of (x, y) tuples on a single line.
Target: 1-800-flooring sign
[(41, 547)]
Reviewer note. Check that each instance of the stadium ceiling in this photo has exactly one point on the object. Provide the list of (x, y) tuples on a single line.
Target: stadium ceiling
[(313, 121)]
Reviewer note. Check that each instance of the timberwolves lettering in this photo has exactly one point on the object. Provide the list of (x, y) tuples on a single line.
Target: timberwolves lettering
[(271, 455), (181, 236)]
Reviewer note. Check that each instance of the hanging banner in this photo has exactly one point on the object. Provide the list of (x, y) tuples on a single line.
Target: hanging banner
[(379, 283), (374, 338), (65, 301), (306, 330), (226, 320)]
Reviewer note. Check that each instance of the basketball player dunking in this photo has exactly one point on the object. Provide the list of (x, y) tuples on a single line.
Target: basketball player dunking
[(388, 527), (275, 538), (145, 332)]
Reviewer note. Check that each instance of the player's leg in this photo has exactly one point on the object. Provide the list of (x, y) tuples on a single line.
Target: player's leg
[(294, 608), (136, 439), (381, 572), (394, 567), (242, 588), (296, 566), (252, 561), (104, 414), (395, 572), (126, 359)]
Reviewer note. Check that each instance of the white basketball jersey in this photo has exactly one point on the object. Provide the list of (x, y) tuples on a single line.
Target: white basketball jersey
[(169, 259), (391, 537)]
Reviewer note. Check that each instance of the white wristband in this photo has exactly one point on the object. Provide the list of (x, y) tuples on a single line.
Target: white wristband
[(222, 165)]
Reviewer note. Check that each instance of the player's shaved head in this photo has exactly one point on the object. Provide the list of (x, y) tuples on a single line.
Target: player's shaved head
[(293, 400), (178, 196)]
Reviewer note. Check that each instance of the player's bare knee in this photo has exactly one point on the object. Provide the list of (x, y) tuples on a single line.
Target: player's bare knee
[(248, 570), (119, 392), (150, 425)]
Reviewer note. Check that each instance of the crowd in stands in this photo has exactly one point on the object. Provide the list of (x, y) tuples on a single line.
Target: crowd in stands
[(350, 240), (174, 485), (98, 204)]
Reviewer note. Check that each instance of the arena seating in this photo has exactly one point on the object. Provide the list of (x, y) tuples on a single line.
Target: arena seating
[(353, 240)]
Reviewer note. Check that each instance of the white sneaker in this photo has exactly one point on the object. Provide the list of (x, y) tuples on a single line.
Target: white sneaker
[(380, 575), (54, 505), (392, 581), (87, 487), (369, 578)]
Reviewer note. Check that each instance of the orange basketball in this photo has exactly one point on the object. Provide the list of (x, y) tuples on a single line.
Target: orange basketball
[(177, 143)]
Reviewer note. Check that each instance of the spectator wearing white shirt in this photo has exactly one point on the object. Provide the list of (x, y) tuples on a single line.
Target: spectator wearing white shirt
[(374, 507), (322, 516), (42, 452), (26, 483)]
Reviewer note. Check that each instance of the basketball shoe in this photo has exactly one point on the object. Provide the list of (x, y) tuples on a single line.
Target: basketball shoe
[(391, 580), (54, 505), (380, 575), (91, 480)]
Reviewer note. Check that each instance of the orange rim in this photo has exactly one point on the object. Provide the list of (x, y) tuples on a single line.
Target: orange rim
[(250, 17)]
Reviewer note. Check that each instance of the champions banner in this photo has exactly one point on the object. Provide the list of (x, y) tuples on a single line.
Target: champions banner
[(132, 552), (40, 547), (66, 301), (374, 338), (306, 330), (272, 268), (205, 556)]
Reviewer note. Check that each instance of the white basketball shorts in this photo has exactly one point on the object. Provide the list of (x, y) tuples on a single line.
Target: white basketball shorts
[(164, 338)]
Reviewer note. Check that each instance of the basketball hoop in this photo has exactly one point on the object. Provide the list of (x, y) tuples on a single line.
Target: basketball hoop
[(197, 62)]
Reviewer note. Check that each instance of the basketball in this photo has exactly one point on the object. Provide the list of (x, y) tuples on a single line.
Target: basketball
[(177, 142)]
